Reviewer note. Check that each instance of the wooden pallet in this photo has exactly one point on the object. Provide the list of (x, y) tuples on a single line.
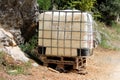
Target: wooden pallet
[(75, 63)]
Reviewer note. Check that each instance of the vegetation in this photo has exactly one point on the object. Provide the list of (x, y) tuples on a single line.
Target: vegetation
[(30, 45), (18, 69), (1, 58), (109, 36), (117, 29), (83, 5), (11, 67), (44, 4), (107, 11)]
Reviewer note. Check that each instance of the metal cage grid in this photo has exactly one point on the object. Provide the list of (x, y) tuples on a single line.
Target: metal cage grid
[(65, 33)]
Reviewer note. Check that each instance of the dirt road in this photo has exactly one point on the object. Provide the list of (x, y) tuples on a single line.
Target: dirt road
[(103, 65), (107, 63)]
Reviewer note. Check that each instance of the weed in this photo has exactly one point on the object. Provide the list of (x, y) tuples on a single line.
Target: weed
[(117, 28), (1, 57), (104, 43), (30, 45), (2, 78), (109, 36), (13, 68), (18, 69)]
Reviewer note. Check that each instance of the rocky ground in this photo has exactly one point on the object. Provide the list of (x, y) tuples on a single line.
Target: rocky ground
[(103, 65)]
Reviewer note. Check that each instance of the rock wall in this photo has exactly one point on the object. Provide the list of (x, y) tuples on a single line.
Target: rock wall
[(19, 17)]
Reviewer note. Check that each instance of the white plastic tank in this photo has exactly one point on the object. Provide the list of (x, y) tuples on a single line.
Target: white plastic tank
[(65, 31)]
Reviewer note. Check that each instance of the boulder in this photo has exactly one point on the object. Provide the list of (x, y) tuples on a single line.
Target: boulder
[(16, 53), (19, 16), (9, 46)]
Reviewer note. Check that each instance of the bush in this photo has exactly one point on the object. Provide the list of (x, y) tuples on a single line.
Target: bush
[(109, 10), (30, 45), (44, 4), (105, 43), (84, 5)]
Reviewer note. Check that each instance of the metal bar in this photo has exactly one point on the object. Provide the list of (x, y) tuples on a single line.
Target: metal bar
[(65, 31), (43, 34), (69, 11), (62, 39), (61, 47), (89, 32), (64, 21), (51, 29), (58, 32), (71, 34), (88, 45), (80, 33)]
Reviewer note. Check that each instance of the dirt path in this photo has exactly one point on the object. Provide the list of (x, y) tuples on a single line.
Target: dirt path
[(115, 69), (115, 74), (107, 63), (103, 65)]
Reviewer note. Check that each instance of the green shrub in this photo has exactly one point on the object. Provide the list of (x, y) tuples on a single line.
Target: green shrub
[(30, 45), (116, 27), (44, 4), (109, 10), (84, 5), (104, 43), (109, 35)]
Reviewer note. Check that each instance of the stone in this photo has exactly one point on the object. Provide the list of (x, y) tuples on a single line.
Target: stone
[(6, 38), (16, 53), (19, 15), (9, 46), (35, 64)]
